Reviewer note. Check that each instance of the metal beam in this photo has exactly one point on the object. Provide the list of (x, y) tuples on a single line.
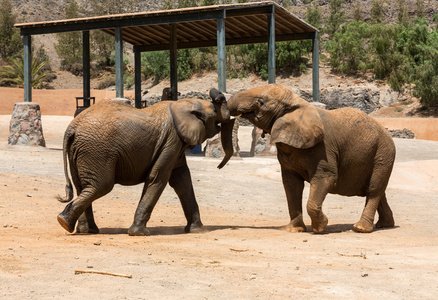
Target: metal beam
[(173, 62), (315, 67), (27, 67), (221, 59), (229, 41), (114, 21), (119, 62), (86, 86), (137, 78), (271, 48)]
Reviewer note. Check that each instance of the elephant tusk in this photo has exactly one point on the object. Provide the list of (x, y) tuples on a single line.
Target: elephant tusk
[(234, 117)]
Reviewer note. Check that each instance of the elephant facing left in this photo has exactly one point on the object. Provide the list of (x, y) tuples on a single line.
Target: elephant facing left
[(113, 143)]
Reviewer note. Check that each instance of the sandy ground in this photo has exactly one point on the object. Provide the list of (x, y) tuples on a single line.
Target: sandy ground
[(243, 256)]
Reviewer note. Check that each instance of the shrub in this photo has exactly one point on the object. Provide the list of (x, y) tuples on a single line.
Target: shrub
[(348, 48)]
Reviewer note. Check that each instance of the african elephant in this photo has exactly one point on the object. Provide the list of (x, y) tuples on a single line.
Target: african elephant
[(112, 142), (342, 151)]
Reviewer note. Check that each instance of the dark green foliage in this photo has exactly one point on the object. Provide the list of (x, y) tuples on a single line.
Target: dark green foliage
[(426, 83), (190, 61), (401, 54), (10, 40), (252, 58), (348, 48)]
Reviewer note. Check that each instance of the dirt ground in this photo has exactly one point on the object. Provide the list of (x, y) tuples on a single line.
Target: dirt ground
[(244, 255)]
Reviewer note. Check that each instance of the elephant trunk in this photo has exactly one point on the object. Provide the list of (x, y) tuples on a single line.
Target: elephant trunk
[(227, 124), (227, 141)]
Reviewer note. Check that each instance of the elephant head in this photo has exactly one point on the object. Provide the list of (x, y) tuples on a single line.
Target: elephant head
[(277, 110), (195, 120)]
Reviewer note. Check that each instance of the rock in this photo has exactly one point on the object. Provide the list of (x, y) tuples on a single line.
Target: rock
[(365, 98), (401, 133)]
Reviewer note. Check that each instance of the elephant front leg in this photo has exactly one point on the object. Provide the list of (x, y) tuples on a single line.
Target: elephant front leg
[(181, 181), (319, 188), (150, 195), (293, 186)]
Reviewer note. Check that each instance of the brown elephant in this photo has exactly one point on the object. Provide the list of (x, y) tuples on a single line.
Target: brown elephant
[(342, 151), (112, 142)]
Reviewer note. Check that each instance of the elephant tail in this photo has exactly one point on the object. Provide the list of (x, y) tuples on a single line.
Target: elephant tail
[(68, 139)]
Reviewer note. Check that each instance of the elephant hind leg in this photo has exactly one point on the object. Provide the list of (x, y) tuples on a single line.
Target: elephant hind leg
[(86, 223), (67, 219), (386, 218), (376, 198)]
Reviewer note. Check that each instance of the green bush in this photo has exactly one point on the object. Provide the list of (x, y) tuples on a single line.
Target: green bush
[(348, 49)]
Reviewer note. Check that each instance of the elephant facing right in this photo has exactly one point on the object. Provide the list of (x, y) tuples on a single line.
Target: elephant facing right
[(342, 151)]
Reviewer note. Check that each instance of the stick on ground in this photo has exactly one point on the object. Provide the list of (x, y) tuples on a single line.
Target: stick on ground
[(102, 273)]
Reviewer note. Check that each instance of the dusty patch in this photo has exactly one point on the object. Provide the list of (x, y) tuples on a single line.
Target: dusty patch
[(245, 254)]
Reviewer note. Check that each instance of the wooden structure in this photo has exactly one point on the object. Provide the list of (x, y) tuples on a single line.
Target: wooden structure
[(196, 27)]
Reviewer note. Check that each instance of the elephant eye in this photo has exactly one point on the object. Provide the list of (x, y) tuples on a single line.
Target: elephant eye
[(260, 102), (200, 116)]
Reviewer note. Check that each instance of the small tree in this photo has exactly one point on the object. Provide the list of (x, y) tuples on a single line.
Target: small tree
[(426, 84), (69, 44), (420, 9), (378, 10), (314, 16), (357, 13), (10, 40), (336, 17), (402, 16), (348, 50)]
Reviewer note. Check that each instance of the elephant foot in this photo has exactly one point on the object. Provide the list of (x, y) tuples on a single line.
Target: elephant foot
[(85, 228), (385, 223), (138, 231), (196, 227), (363, 227), (296, 225), (320, 225), (66, 220)]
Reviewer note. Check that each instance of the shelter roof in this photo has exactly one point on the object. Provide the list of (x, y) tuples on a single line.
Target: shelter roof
[(245, 23)]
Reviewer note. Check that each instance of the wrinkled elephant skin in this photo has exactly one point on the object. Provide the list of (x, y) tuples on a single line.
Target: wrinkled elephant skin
[(343, 151), (113, 143)]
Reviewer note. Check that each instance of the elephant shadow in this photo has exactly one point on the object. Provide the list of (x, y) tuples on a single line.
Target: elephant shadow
[(178, 230)]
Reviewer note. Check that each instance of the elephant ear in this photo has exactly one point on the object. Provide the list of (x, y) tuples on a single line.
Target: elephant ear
[(188, 119), (301, 128)]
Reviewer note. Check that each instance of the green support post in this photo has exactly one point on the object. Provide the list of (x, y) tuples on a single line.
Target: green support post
[(27, 55), (86, 87), (221, 65), (271, 48), (119, 62), (173, 62), (137, 78), (315, 68)]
